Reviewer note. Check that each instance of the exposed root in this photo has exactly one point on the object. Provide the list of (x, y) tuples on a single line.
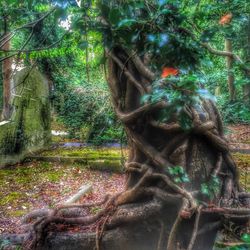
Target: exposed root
[(173, 234), (161, 236), (195, 230)]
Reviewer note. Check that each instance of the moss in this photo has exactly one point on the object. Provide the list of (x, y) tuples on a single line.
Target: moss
[(54, 177), (17, 213), (243, 163), (86, 152), (10, 198), (30, 126), (243, 160)]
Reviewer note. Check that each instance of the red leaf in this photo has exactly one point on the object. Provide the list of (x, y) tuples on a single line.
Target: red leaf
[(226, 19), (168, 71)]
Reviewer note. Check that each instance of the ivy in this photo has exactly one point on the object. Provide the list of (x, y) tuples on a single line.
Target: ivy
[(179, 175), (211, 188)]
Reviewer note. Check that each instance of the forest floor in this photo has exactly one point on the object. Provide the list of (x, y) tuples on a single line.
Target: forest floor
[(34, 185)]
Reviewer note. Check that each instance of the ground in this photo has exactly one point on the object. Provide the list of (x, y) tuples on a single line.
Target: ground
[(38, 184)]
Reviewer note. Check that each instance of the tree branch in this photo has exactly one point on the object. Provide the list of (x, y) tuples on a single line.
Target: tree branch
[(137, 84)]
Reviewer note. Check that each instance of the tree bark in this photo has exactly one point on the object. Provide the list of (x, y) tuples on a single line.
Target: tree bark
[(246, 52), (230, 74), (6, 71)]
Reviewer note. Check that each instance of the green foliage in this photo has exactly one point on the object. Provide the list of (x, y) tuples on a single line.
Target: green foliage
[(211, 188), (179, 91), (154, 28), (233, 112), (86, 110), (245, 245), (179, 174)]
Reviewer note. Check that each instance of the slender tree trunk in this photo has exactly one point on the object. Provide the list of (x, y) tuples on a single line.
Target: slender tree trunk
[(246, 51), (6, 71), (230, 74)]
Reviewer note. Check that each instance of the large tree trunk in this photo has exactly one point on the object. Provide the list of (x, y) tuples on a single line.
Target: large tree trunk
[(202, 152)]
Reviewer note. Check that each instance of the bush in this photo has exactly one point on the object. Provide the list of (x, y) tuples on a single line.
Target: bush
[(233, 112), (87, 112)]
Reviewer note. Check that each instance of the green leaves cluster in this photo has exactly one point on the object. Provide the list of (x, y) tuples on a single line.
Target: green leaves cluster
[(179, 91), (211, 188), (178, 174), (150, 27)]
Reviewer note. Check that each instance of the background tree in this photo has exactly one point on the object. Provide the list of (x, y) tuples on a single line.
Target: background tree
[(6, 66)]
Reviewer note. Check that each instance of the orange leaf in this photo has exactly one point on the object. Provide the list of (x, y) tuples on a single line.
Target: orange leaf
[(226, 19), (167, 71)]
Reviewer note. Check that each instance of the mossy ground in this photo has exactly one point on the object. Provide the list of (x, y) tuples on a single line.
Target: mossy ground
[(43, 184), (33, 185), (243, 163), (23, 183), (87, 152)]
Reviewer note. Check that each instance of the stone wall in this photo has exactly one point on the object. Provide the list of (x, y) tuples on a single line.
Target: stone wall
[(29, 127)]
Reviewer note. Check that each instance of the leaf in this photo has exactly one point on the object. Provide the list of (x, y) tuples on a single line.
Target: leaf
[(126, 23), (168, 71), (145, 98), (226, 19), (185, 121), (204, 189), (246, 238), (185, 178), (166, 11), (177, 179), (171, 171), (114, 16)]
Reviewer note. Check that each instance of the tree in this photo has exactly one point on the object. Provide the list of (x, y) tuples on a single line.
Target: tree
[(230, 77), (182, 183), (6, 70), (246, 51)]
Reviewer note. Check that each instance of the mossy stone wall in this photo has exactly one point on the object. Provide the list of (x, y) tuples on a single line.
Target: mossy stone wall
[(29, 127)]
